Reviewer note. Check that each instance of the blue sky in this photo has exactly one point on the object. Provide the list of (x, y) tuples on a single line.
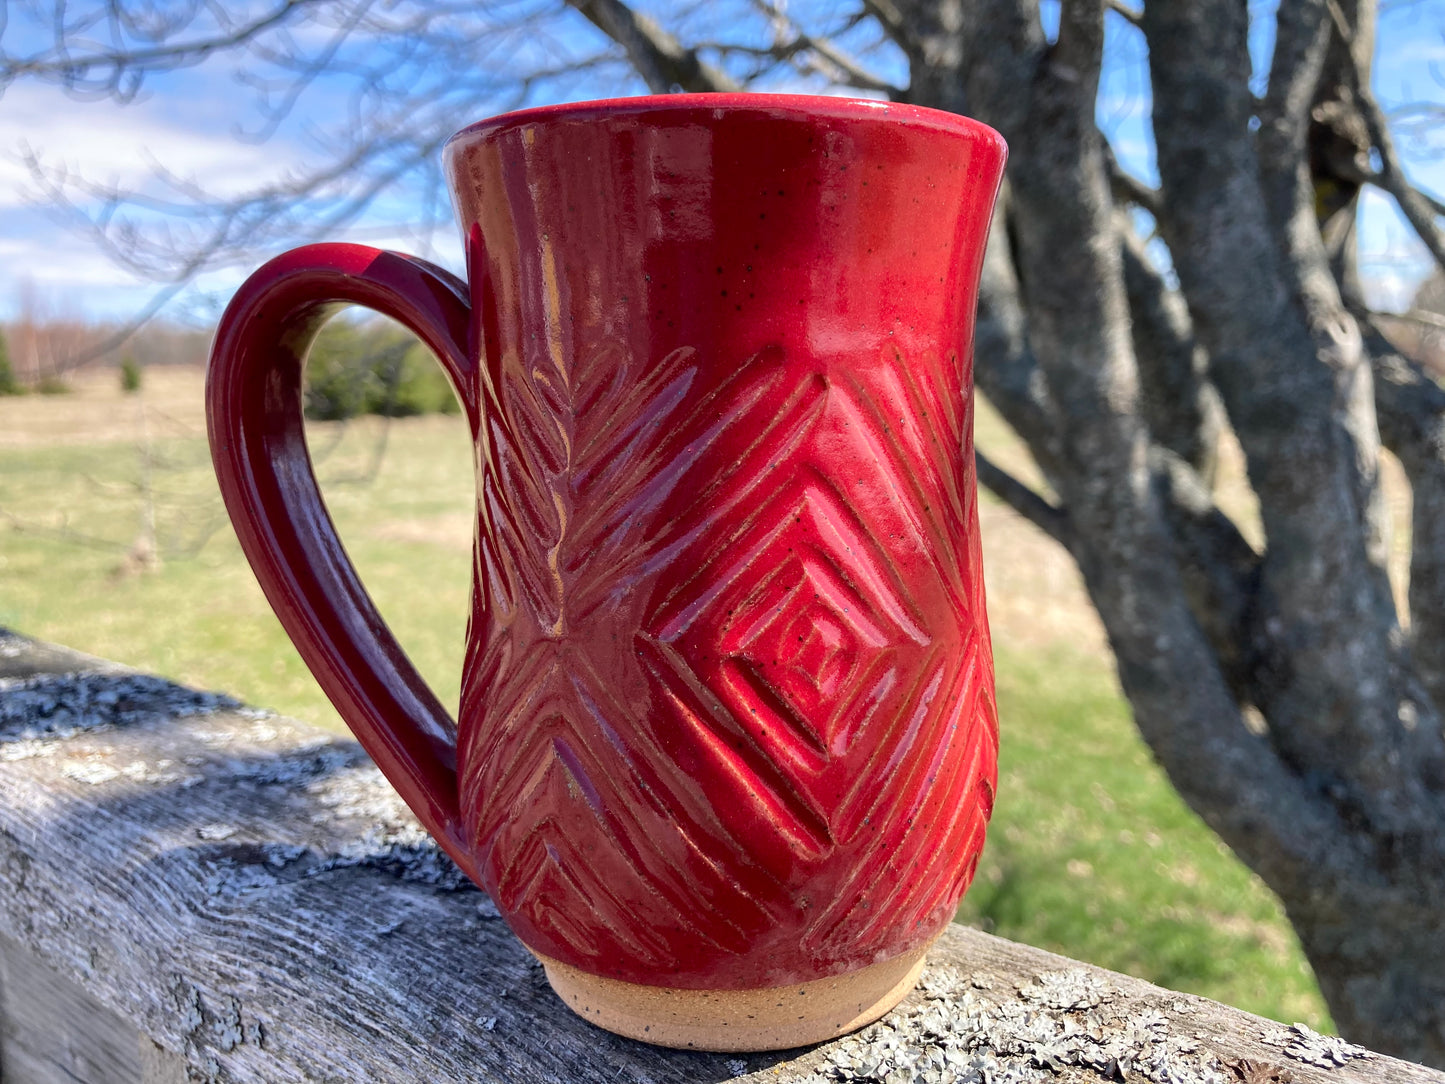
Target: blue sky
[(189, 122)]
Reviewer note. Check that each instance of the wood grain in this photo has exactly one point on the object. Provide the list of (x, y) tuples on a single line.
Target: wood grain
[(225, 895)]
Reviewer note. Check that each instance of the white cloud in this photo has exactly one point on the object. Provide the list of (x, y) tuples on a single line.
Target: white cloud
[(61, 260), (121, 145), (106, 142)]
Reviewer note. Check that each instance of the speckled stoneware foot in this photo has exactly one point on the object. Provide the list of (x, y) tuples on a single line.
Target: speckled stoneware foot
[(771, 1018)]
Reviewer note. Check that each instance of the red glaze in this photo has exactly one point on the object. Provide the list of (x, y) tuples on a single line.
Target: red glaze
[(728, 712)]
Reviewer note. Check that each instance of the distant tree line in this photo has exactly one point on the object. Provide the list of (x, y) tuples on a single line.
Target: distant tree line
[(42, 353)]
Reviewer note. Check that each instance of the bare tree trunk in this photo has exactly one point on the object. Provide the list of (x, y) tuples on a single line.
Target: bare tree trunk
[(1111, 378)]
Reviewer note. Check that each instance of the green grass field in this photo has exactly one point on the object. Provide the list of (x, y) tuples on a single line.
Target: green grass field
[(1091, 853)]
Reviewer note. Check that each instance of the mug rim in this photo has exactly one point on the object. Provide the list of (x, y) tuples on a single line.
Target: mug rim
[(789, 106)]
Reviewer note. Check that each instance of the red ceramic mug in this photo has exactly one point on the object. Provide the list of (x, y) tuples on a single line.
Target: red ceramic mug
[(727, 739)]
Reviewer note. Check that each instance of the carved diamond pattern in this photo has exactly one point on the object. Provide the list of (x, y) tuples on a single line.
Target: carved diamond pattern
[(797, 638), (794, 661), (720, 722)]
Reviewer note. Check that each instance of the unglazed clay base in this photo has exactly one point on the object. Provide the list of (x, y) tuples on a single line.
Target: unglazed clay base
[(771, 1018)]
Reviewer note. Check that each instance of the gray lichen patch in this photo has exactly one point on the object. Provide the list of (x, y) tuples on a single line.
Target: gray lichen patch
[(297, 766), (1307, 1045), (210, 1027), (414, 858), (233, 870), (58, 706), (958, 1034), (1076, 989), (227, 877), (393, 841)]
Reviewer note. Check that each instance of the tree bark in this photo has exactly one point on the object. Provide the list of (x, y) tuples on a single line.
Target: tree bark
[(1289, 361), (1094, 445), (1179, 404), (1110, 377)]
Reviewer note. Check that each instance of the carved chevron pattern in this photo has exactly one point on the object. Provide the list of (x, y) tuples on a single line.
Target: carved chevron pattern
[(728, 716)]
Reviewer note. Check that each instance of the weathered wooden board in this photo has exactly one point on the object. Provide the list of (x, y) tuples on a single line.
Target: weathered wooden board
[(94, 1043), (190, 890)]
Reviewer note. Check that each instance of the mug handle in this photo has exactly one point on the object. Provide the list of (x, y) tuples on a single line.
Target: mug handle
[(258, 445)]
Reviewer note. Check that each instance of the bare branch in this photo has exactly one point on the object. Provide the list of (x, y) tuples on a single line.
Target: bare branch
[(933, 37), (1049, 518), (1337, 153), (1130, 189), (1220, 571), (1077, 329), (1004, 367), (1302, 37), (891, 20), (1294, 392), (1079, 51), (853, 73), (819, 54), (1306, 146), (1416, 316), (1419, 209), (661, 60), (412, 71), (1006, 46), (119, 71)]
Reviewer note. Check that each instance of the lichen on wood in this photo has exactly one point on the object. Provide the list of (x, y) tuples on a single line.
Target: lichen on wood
[(57, 706), (963, 1032)]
